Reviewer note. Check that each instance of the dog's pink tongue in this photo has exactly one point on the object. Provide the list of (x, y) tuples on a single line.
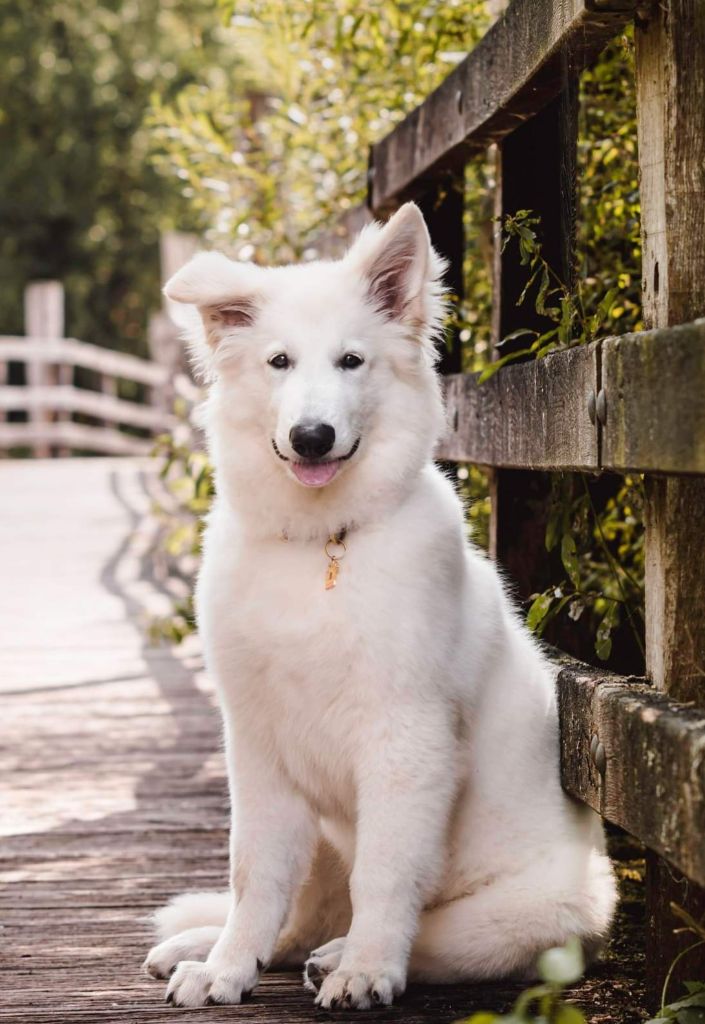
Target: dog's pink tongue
[(315, 474)]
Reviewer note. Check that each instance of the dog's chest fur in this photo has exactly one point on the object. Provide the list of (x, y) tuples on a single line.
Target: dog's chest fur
[(318, 673)]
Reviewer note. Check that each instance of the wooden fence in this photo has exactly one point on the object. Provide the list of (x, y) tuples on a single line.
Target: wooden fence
[(633, 749), (70, 399)]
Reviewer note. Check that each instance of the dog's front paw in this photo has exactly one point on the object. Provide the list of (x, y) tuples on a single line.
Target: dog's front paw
[(197, 984), (359, 990)]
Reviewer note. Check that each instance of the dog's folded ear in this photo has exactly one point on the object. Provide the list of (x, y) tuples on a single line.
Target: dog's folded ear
[(400, 267), (225, 292)]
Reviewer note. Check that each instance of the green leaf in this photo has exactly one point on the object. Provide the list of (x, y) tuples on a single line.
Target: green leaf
[(566, 320), (569, 557), (553, 613), (490, 370), (538, 610), (481, 1018), (526, 287), (543, 338), (568, 1015), (562, 965), (516, 334), (546, 349), (603, 637), (697, 927), (554, 526), (696, 999), (603, 646), (543, 291), (690, 1015), (606, 304)]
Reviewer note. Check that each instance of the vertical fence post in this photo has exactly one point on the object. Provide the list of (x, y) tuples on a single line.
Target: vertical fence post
[(165, 347), (443, 210), (44, 319), (670, 71), (535, 171)]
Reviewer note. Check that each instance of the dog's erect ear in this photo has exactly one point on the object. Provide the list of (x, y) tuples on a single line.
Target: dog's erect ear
[(398, 264), (224, 291)]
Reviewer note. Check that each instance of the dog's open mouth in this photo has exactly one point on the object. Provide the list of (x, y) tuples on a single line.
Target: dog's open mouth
[(316, 472)]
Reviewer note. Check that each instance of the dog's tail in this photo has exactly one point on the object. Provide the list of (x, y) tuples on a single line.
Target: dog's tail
[(192, 910)]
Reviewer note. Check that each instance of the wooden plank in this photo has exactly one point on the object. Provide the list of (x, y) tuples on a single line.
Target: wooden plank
[(675, 571), (670, 70), (535, 415), (103, 440), (69, 399), (671, 99), (43, 317), (654, 383), (670, 78), (653, 783), (527, 416), (509, 76), (81, 353), (535, 170)]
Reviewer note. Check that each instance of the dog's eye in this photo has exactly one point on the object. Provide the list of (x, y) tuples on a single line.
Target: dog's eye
[(280, 361), (351, 361)]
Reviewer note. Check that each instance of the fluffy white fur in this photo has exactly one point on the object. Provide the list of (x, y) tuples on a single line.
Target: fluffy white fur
[(391, 743)]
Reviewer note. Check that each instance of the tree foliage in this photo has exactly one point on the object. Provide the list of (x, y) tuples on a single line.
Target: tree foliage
[(80, 199), (272, 164)]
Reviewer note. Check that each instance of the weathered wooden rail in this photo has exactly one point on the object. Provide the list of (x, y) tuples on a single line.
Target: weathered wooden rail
[(635, 403), (545, 415)]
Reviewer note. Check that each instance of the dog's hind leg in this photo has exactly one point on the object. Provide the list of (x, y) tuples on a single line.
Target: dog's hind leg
[(500, 930), (190, 944), (188, 927)]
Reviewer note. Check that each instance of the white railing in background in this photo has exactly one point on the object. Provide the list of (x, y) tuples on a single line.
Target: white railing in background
[(52, 397)]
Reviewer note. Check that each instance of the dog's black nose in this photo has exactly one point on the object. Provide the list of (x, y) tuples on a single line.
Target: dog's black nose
[(312, 440)]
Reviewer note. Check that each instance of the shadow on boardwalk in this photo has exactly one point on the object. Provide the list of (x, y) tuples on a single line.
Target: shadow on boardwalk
[(114, 796)]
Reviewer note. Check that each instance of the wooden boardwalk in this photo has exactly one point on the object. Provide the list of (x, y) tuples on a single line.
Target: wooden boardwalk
[(113, 795)]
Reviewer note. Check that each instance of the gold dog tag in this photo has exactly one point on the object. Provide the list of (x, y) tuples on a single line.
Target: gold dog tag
[(332, 573), (334, 541)]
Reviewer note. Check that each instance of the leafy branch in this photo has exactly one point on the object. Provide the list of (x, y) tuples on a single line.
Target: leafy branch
[(690, 1009), (601, 553), (553, 299)]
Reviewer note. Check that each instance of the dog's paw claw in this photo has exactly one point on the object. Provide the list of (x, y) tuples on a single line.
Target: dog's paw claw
[(359, 990)]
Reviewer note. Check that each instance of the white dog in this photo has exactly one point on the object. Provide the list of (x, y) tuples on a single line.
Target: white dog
[(391, 727)]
